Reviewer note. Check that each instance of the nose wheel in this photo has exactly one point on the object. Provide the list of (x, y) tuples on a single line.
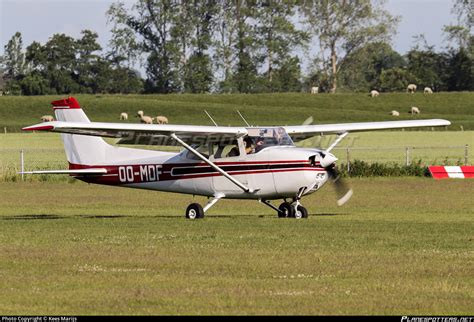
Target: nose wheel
[(295, 210), (300, 212)]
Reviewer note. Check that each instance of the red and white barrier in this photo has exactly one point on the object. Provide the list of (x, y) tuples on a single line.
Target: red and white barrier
[(442, 172)]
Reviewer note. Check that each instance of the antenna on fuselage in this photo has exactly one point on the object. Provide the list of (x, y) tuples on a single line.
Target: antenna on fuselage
[(211, 118), (243, 118)]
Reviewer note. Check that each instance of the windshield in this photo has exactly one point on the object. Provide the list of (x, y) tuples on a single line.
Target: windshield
[(260, 138)]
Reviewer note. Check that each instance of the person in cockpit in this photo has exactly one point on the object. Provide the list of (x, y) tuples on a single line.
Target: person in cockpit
[(260, 144), (249, 146), (249, 149)]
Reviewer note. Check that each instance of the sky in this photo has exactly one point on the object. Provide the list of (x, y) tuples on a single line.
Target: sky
[(38, 20)]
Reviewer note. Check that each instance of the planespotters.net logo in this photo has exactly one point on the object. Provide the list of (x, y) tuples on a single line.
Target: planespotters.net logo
[(437, 319)]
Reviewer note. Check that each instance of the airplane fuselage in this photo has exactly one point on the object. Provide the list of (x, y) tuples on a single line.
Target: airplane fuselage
[(273, 173)]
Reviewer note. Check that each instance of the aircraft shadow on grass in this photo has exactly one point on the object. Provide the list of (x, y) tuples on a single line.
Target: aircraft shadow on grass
[(90, 216)]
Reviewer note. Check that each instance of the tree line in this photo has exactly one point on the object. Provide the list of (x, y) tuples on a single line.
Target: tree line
[(242, 46)]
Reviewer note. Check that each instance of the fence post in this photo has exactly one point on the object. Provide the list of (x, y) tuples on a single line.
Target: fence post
[(348, 161), (22, 164), (466, 154), (407, 149)]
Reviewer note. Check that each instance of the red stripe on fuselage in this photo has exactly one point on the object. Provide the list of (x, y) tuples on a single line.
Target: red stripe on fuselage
[(142, 173)]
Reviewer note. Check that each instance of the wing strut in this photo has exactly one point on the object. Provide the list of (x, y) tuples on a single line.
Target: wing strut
[(212, 164), (336, 142)]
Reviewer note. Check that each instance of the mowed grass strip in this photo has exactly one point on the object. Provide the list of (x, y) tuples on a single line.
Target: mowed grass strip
[(400, 246)]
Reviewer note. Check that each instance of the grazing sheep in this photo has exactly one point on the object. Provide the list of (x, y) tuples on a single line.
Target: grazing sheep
[(144, 118), (123, 116), (428, 90), (314, 90), (47, 118), (414, 110), (374, 93), (411, 88), (160, 119), (395, 113)]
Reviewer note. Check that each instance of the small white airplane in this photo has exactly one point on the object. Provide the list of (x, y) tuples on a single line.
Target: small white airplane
[(260, 163)]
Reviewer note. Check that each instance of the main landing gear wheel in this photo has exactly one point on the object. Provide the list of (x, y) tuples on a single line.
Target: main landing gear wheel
[(286, 210), (194, 211)]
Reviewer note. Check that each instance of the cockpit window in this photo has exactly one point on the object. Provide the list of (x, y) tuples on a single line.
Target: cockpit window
[(260, 138), (256, 140), (215, 150)]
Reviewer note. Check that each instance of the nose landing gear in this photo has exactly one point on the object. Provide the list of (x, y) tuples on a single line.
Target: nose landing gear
[(288, 210)]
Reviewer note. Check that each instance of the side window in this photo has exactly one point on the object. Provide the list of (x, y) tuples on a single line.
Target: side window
[(203, 149), (226, 150)]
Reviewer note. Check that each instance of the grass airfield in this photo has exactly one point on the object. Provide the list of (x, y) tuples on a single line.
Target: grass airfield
[(401, 246)]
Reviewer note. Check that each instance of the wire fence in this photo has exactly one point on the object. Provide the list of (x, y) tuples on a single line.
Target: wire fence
[(405, 155), (13, 161)]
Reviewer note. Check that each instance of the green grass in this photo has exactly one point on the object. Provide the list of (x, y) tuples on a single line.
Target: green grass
[(259, 109), (400, 246)]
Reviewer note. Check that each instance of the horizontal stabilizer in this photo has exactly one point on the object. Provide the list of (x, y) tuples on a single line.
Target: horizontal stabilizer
[(85, 172)]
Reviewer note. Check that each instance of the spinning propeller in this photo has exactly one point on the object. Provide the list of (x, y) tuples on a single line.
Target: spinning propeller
[(343, 191), (328, 162)]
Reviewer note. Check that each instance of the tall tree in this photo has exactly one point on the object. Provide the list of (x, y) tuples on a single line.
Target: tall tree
[(365, 65), (245, 70), (124, 49), (14, 62), (277, 35), (344, 26), (152, 21), (86, 60), (424, 63), (224, 43), (198, 76), (60, 52)]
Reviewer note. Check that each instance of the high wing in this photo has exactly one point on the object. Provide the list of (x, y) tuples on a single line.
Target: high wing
[(150, 134), (301, 132), (160, 134)]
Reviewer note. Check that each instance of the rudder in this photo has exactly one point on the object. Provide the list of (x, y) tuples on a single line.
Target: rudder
[(80, 149)]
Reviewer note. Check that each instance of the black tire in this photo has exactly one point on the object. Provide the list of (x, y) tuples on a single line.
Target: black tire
[(194, 211), (286, 210), (301, 212)]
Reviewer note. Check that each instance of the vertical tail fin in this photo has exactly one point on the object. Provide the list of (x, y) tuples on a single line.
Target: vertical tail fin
[(80, 149)]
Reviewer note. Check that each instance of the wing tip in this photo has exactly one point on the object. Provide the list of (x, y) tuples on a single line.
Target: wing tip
[(38, 128)]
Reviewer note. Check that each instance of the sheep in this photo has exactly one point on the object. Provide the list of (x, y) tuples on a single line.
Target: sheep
[(123, 116), (160, 119), (414, 110), (314, 90), (374, 93), (47, 118), (395, 113), (411, 88), (428, 90), (145, 118)]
